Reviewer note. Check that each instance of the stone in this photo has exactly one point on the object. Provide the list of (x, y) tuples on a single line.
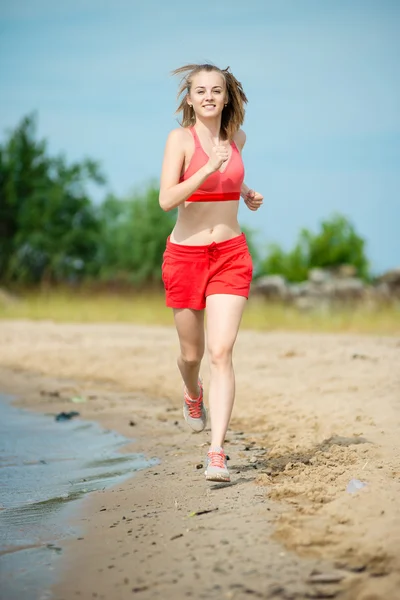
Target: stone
[(348, 289), (273, 287), (345, 271), (319, 276), (325, 578), (392, 277)]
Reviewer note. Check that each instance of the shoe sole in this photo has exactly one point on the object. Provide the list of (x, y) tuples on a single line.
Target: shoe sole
[(217, 477)]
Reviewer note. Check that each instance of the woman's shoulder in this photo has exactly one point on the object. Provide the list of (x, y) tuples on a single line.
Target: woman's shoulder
[(180, 134), (240, 138), (178, 141)]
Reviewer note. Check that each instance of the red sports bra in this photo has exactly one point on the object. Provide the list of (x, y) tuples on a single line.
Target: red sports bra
[(220, 185)]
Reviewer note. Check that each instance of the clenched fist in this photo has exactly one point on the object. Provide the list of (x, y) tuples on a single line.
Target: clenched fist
[(219, 155), (253, 200)]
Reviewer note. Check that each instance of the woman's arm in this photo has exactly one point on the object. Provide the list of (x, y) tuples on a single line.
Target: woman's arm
[(172, 192), (240, 140), (252, 199), (244, 190)]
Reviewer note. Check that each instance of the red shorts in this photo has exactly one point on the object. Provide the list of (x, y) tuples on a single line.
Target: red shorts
[(191, 273)]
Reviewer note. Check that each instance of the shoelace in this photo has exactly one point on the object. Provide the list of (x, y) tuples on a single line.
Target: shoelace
[(217, 459), (195, 406)]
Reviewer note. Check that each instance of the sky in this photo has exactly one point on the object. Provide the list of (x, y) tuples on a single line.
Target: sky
[(322, 78)]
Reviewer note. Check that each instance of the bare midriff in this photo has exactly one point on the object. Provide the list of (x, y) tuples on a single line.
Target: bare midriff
[(201, 223)]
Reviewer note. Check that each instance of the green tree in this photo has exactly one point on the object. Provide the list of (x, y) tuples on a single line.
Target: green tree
[(48, 225), (133, 236), (337, 243)]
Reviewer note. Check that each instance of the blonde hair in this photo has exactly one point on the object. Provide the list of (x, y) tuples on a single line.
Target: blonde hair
[(232, 114)]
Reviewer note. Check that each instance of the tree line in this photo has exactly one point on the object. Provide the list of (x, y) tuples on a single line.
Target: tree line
[(52, 231)]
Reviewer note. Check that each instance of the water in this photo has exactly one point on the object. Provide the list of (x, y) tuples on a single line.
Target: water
[(45, 467)]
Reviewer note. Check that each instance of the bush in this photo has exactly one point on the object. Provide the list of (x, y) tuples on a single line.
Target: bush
[(336, 244), (133, 237), (48, 226)]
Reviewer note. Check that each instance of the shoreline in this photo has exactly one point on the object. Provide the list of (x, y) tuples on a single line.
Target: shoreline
[(283, 518), (113, 524)]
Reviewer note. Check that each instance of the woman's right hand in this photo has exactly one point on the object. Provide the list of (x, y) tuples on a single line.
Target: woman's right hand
[(219, 155)]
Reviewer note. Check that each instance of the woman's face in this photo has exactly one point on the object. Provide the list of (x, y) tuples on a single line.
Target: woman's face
[(207, 94)]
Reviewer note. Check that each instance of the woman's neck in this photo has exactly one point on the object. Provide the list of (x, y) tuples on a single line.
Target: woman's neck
[(210, 128)]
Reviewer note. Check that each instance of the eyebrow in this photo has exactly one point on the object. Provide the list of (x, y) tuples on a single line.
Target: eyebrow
[(203, 87)]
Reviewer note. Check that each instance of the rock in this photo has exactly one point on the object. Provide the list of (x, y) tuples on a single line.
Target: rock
[(66, 416), (382, 291), (308, 288), (345, 271), (295, 289), (267, 471), (327, 288), (325, 578), (392, 277), (272, 287), (348, 289), (319, 276), (391, 281)]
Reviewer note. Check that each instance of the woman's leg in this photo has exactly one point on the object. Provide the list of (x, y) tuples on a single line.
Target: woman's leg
[(190, 327), (224, 313)]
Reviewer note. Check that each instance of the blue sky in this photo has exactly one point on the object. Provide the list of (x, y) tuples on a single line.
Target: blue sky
[(322, 78)]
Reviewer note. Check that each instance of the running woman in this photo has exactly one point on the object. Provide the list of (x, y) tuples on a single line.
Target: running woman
[(207, 265)]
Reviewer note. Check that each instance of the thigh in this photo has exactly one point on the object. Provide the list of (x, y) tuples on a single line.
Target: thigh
[(232, 274), (224, 313), (190, 327), (185, 280)]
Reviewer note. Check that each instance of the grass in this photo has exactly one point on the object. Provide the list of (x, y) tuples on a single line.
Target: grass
[(361, 319), (149, 309)]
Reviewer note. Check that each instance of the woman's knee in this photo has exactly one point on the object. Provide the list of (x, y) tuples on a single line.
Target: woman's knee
[(220, 355), (193, 357)]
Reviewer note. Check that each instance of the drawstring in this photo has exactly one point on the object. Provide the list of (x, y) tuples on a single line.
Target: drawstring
[(213, 253)]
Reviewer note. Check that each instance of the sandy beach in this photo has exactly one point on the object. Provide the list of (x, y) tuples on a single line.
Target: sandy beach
[(313, 412)]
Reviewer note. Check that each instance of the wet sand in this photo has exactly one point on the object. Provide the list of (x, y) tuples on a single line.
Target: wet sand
[(312, 412)]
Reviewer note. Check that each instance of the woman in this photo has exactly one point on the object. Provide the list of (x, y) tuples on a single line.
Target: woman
[(207, 264)]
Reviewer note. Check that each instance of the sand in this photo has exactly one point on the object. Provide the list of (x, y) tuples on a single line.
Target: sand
[(312, 413)]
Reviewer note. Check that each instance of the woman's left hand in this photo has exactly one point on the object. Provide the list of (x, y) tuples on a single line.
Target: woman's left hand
[(253, 200)]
